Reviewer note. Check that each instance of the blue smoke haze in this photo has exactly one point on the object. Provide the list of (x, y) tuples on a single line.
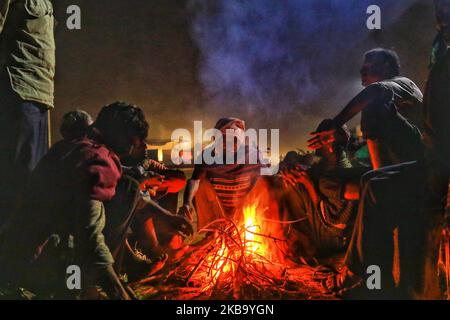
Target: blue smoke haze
[(263, 59)]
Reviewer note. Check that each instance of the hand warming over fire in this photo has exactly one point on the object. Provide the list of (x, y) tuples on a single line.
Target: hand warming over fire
[(152, 165), (297, 175), (182, 224), (186, 211), (152, 184), (321, 139)]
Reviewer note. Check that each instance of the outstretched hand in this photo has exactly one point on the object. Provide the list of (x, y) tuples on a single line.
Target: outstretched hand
[(295, 175), (298, 175), (186, 211), (182, 224), (152, 184), (321, 139)]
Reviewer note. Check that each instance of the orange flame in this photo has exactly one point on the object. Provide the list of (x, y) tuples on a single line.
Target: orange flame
[(222, 261), (253, 242)]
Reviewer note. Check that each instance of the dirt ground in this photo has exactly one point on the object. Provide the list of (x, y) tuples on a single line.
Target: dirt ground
[(305, 287)]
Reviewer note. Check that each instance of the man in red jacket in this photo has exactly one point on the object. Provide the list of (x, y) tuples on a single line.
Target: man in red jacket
[(66, 198)]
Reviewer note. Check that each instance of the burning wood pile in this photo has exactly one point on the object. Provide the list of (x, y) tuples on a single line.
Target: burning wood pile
[(235, 260)]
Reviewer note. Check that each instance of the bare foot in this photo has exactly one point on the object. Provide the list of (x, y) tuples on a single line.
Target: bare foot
[(343, 280)]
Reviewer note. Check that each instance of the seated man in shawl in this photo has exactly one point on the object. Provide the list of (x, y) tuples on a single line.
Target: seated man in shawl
[(219, 190), (323, 195)]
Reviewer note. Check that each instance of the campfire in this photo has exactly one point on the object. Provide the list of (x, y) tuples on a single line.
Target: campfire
[(235, 262), (237, 258)]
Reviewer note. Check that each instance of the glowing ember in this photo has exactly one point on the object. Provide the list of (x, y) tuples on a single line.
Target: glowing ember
[(219, 263), (252, 243), (232, 259), (239, 259)]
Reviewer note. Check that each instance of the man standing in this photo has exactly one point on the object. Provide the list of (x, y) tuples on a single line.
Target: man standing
[(390, 226), (437, 108), (436, 113), (390, 107), (323, 193), (27, 69), (411, 184)]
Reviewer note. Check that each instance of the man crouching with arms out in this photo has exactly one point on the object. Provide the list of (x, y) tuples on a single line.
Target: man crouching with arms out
[(66, 198)]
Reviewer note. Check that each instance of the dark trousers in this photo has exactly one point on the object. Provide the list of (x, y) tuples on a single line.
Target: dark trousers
[(437, 202), (23, 142), (390, 229)]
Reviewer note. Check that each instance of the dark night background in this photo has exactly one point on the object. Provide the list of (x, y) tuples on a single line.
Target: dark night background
[(276, 64)]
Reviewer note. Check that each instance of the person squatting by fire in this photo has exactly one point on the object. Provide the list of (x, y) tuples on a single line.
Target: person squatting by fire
[(78, 184), (401, 212), (322, 193), (97, 200)]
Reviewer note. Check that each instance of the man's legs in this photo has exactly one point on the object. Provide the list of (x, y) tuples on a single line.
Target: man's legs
[(391, 199), (371, 242), (23, 142)]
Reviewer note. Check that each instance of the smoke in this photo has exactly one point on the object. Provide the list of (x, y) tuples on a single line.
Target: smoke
[(272, 60)]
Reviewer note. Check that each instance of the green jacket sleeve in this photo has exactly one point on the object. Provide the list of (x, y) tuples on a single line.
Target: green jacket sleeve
[(4, 8), (90, 241)]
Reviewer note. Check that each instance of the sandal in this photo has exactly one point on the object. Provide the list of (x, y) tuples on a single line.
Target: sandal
[(322, 272), (157, 264), (154, 264), (340, 282)]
